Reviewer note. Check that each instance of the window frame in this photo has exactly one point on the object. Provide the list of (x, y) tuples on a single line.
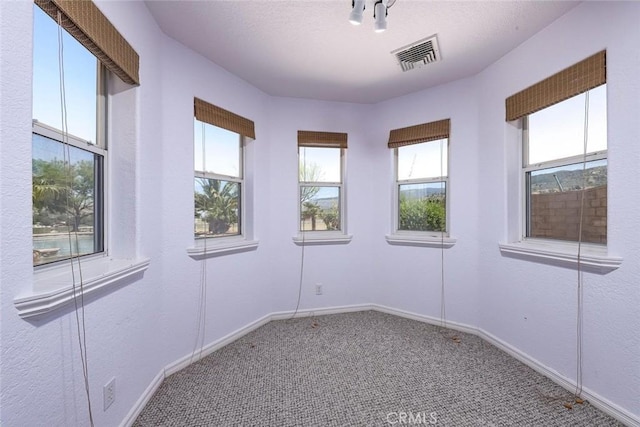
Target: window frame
[(221, 177), (100, 147), (55, 286), (341, 198), (527, 168), (591, 257), (428, 234)]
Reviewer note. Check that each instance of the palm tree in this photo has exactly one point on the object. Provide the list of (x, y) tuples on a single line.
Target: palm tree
[(311, 210), (217, 203)]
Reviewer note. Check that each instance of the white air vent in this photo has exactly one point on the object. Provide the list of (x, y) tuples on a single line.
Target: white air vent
[(418, 54)]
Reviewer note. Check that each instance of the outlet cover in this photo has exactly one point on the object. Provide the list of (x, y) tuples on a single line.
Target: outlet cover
[(109, 393)]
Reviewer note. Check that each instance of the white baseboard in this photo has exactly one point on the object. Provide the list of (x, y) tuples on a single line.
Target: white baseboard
[(426, 319), (190, 358), (606, 406), (142, 400), (599, 402), (310, 312)]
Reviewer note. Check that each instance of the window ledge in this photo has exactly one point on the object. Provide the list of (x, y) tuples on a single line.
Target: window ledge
[(322, 238), (53, 288), (420, 240), (220, 248), (593, 258)]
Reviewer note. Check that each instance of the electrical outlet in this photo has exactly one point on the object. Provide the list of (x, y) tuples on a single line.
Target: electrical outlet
[(318, 288), (109, 393)]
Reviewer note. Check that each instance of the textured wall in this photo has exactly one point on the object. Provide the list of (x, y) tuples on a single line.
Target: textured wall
[(533, 306)]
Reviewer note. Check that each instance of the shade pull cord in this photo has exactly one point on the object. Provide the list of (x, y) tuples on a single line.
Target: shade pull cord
[(444, 330), (66, 153), (295, 312), (579, 294), (201, 319)]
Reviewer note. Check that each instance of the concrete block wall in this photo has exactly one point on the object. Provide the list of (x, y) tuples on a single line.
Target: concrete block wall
[(557, 215)]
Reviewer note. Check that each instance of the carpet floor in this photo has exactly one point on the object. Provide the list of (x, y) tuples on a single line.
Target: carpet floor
[(362, 369)]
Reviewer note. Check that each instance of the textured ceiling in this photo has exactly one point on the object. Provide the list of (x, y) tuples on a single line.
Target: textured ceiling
[(308, 48)]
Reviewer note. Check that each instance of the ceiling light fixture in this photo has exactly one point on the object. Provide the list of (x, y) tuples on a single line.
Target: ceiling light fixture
[(380, 15), (356, 13), (380, 12)]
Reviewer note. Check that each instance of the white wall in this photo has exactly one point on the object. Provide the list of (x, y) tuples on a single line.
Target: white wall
[(344, 270), (138, 329), (410, 278)]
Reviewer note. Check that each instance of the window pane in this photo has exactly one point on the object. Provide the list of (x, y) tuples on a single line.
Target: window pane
[(221, 153), (422, 207), (64, 198), (555, 198), (319, 208), (558, 131), (80, 73), (319, 164), (425, 160), (217, 208)]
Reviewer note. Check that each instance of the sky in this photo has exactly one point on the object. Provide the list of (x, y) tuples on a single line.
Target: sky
[(558, 131), (80, 68), (420, 161), (221, 151)]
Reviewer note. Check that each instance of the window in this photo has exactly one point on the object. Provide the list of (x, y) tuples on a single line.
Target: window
[(320, 179), (557, 183), (70, 162), (219, 185), (68, 155), (421, 178), (566, 182), (421, 185), (564, 171)]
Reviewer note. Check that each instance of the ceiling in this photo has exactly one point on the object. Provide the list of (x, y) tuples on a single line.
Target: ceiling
[(308, 48)]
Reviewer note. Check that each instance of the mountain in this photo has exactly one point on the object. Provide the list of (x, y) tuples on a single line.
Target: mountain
[(568, 180)]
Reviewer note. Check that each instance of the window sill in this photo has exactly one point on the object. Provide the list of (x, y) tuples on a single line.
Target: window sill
[(226, 246), (53, 288), (593, 258), (322, 238), (420, 240)]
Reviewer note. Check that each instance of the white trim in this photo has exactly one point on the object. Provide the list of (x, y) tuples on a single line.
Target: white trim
[(420, 240), (144, 398), (342, 196), (462, 327), (395, 195), (321, 238), (53, 289), (594, 399), (222, 247), (190, 358), (310, 312), (195, 356), (593, 258)]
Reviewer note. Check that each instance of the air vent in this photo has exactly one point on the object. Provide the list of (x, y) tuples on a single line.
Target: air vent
[(418, 54)]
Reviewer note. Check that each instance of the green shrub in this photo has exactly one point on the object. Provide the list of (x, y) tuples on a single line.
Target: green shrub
[(422, 214)]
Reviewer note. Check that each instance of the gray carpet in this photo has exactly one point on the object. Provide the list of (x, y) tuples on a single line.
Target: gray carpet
[(361, 369)]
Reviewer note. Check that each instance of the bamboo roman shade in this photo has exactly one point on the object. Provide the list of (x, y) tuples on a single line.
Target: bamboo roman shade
[(84, 21), (322, 139), (578, 78), (222, 118), (419, 133)]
